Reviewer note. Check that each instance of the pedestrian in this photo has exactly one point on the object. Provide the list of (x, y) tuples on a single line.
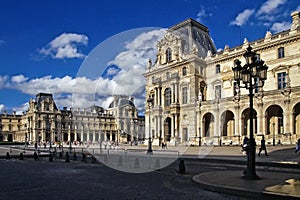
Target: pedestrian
[(297, 146), (263, 146), (245, 145)]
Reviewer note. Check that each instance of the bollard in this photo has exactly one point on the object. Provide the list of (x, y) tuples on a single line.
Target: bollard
[(93, 159), (75, 156), (83, 158), (7, 155), (67, 157), (181, 167), (50, 157), (35, 156), (21, 156)]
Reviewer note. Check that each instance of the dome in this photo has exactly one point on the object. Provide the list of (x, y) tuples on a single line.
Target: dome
[(121, 102)]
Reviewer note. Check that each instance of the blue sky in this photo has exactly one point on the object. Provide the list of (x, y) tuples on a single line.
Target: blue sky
[(45, 45)]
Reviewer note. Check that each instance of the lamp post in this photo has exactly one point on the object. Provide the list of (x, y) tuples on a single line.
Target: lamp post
[(253, 70), (70, 142), (273, 133), (150, 102)]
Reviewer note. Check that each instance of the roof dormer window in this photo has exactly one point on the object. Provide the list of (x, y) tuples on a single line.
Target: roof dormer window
[(168, 55)]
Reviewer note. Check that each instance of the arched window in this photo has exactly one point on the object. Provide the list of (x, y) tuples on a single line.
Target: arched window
[(168, 96), (168, 55)]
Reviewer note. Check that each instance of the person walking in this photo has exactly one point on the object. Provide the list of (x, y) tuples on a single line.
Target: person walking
[(297, 146), (263, 146)]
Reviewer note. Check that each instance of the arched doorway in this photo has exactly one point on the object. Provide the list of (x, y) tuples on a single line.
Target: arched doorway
[(167, 129), (10, 138), (227, 123), (208, 124), (274, 122), (72, 137), (246, 122), (65, 139), (296, 118)]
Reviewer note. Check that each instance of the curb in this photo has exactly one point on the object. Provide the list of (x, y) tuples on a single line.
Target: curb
[(240, 191), (241, 162)]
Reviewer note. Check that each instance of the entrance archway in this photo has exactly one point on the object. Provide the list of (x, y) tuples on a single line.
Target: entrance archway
[(246, 122), (167, 129), (208, 124), (274, 122), (296, 118), (227, 123)]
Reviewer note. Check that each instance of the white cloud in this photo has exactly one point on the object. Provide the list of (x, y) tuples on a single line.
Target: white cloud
[(21, 109), (19, 78), (202, 14), (2, 107), (81, 92), (112, 71), (280, 26), (242, 17), (65, 46), (3, 80), (270, 6)]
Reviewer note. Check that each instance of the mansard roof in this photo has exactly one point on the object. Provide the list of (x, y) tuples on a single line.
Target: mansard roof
[(198, 34)]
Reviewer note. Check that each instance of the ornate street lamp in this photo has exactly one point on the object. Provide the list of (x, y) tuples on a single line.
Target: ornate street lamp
[(253, 75), (150, 102), (71, 126)]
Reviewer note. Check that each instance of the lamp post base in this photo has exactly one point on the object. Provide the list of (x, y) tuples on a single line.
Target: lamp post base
[(250, 175), (149, 150)]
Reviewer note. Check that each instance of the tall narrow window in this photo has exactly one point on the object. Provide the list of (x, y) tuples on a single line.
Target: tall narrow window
[(218, 69), (280, 52), (185, 134), (168, 55), (168, 96), (217, 91), (184, 95), (183, 71), (281, 80)]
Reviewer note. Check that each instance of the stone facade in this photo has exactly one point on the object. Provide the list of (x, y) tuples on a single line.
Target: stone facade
[(196, 100), (44, 122)]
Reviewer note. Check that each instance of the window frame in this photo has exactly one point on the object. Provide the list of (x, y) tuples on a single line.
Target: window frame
[(168, 55), (218, 69), (280, 52), (184, 95), (168, 96), (218, 91), (281, 80)]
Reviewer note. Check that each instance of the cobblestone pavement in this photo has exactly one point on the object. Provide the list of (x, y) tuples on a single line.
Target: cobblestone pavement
[(29, 179)]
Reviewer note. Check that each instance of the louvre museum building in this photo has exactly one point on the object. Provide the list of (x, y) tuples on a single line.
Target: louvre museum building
[(193, 97)]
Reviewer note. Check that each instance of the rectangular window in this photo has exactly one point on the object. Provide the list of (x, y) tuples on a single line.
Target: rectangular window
[(217, 91), (280, 52), (185, 134), (218, 69), (281, 80), (184, 95)]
